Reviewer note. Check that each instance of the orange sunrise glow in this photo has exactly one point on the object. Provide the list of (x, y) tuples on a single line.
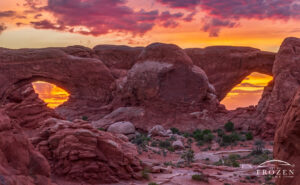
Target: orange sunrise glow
[(50, 94), (248, 92)]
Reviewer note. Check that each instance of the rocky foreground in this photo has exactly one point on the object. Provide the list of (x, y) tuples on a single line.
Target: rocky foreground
[(146, 115)]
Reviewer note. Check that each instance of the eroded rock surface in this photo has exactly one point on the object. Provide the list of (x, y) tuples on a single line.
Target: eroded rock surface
[(287, 139), (77, 151), (20, 163), (227, 66)]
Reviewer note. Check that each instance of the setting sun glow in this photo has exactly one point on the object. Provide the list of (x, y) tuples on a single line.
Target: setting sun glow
[(50, 94), (248, 92)]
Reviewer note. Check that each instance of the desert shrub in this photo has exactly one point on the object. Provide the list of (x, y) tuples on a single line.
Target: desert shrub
[(200, 143), (145, 174), (226, 139), (102, 129), (154, 143), (198, 135), (175, 130), (168, 163), (173, 138), (141, 140), (229, 126), (206, 131), (259, 146), (220, 132), (249, 136), (200, 177), (188, 156), (258, 159), (164, 144), (85, 118), (186, 135), (208, 137), (231, 160), (235, 136), (152, 183)]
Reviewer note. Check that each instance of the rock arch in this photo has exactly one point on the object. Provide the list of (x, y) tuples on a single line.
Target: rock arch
[(85, 79), (227, 66)]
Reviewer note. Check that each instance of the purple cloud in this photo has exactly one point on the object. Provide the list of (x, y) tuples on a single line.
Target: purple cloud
[(214, 25), (2, 27), (228, 13), (9, 13), (96, 17)]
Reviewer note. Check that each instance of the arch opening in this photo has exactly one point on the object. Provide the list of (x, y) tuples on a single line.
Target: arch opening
[(248, 92), (51, 94)]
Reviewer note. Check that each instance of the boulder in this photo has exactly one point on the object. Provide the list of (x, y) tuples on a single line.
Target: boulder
[(122, 127), (158, 130), (178, 145)]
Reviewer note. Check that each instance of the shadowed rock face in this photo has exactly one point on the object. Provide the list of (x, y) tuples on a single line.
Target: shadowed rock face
[(227, 66), (279, 93), (287, 139)]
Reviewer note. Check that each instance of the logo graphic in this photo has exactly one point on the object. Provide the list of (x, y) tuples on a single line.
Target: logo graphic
[(276, 168)]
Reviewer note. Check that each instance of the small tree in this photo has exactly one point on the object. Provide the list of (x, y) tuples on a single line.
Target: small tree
[(188, 157), (249, 136), (259, 146), (229, 126)]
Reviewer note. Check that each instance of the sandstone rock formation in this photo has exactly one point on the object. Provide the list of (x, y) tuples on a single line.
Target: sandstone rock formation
[(25, 107), (20, 163), (118, 57), (227, 66), (77, 151), (122, 127), (287, 138), (55, 66), (278, 93)]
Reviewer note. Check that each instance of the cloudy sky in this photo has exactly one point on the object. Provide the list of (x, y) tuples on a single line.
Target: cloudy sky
[(190, 23)]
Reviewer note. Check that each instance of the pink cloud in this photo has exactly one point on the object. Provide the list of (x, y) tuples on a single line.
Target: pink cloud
[(97, 17), (228, 13)]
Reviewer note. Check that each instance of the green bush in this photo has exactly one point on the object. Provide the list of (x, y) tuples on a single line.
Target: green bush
[(200, 177), (85, 118), (235, 137), (175, 130), (259, 147), (200, 143), (198, 135), (249, 136), (186, 135), (188, 156), (208, 137), (152, 183), (154, 143), (220, 132), (206, 131), (229, 126), (145, 174), (226, 139), (165, 144), (141, 140)]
